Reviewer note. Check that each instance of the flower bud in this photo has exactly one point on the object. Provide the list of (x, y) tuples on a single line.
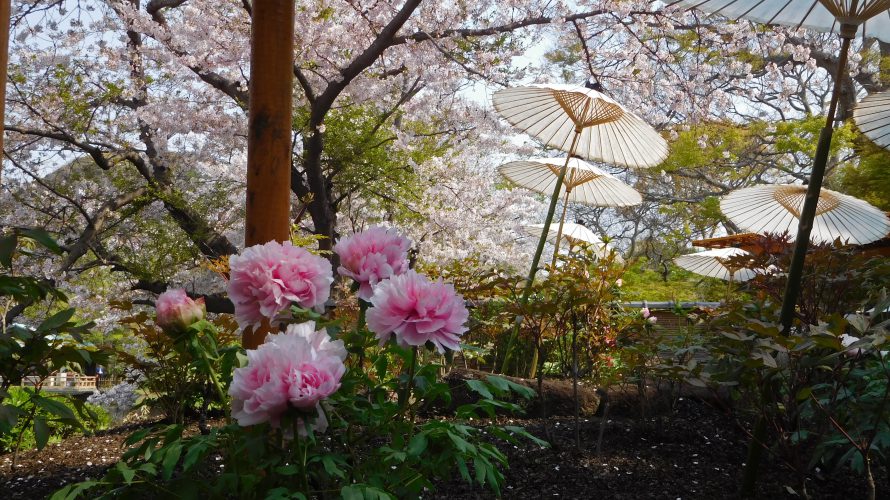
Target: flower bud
[(176, 311)]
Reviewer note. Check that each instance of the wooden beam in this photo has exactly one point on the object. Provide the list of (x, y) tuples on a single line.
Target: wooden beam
[(4, 65), (269, 129)]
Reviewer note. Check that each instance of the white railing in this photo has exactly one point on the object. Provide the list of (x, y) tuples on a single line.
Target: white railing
[(61, 381)]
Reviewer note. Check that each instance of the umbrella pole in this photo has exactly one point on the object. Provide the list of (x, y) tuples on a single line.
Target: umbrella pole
[(536, 259), (795, 271), (562, 221), (805, 225)]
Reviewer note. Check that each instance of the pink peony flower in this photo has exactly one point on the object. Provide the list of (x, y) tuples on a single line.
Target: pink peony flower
[(176, 311), (372, 256), (645, 312), (652, 320), (417, 311), (619, 282), (265, 279), (295, 369)]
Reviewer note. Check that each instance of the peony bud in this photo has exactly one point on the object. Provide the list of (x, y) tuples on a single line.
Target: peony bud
[(176, 311)]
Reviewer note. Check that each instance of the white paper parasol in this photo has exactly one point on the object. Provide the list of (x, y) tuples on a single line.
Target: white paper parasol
[(872, 116), (714, 264), (606, 131), (583, 183), (776, 209)]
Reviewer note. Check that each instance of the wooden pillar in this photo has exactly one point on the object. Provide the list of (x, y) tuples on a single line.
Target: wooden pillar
[(269, 129), (4, 65)]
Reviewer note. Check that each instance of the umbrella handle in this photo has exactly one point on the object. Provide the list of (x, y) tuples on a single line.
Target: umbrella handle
[(562, 221)]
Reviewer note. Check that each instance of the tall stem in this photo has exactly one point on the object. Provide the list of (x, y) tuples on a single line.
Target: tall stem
[(359, 330), (805, 225), (554, 198), (562, 220), (405, 396), (575, 380), (755, 454)]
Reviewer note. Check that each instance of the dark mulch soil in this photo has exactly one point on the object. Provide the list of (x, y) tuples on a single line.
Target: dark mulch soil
[(691, 452), (39, 473)]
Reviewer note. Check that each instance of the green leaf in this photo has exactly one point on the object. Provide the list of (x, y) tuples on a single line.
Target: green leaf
[(9, 415), (479, 387), (506, 385), (331, 467), (72, 491), (171, 458), (56, 408), (461, 444), (192, 455), (860, 323), (125, 471), (42, 237), (804, 393), (56, 320), (520, 431), (352, 492), (462, 467), (41, 432), (418, 444), (481, 470), (7, 249), (283, 493), (148, 468), (136, 437)]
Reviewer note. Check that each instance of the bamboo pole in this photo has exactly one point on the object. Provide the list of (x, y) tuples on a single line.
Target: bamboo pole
[(4, 68), (562, 220), (269, 130), (814, 187), (801, 243)]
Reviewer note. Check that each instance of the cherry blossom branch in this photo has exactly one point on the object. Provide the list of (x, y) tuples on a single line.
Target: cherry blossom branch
[(215, 303), (96, 224), (423, 36)]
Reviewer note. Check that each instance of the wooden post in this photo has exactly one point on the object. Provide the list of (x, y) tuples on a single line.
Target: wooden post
[(269, 129), (4, 64)]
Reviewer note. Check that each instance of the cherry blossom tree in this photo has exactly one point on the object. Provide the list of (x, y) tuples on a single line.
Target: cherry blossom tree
[(154, 95)]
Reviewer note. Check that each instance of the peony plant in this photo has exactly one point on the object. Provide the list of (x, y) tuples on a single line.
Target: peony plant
[(305, 380)]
